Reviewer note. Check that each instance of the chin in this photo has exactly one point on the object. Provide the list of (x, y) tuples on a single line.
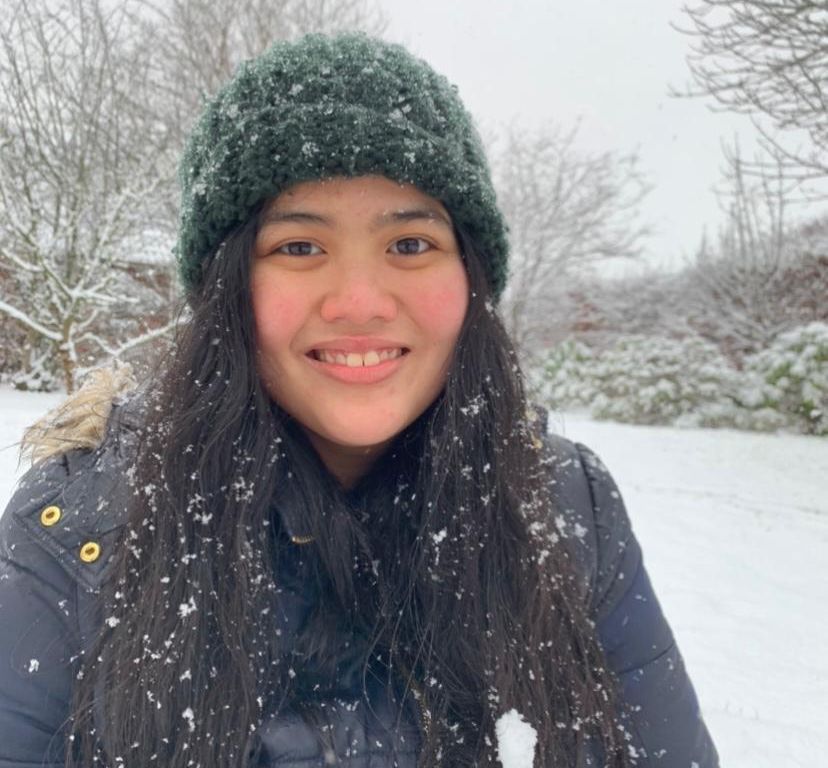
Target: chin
[(366, 436), (362, 440)]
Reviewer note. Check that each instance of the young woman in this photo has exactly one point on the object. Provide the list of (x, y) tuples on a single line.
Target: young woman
[(332, 530)]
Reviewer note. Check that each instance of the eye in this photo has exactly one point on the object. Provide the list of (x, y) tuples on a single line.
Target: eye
[(299, 248), (411, 246)]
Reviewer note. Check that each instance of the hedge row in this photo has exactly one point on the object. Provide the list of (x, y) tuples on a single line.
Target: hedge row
[(687, 382)]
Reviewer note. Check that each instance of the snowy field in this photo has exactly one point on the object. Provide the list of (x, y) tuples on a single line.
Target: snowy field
[(734, 528)]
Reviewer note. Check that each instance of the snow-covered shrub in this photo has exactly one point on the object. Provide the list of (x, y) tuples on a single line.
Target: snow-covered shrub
[(789, 383), (562, 381), (647, 380), (688, 382), (644, 380)]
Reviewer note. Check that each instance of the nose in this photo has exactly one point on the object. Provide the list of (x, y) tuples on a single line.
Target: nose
[(359, 294)]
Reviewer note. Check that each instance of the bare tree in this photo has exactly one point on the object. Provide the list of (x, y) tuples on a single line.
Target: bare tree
[(77, 185), (768, 59), (763, 276), (648, 303), (97, 98), (198, 44), (565, 209)]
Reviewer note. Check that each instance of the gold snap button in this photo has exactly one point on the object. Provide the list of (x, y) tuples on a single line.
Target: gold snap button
[(49, 516), (90, 552)]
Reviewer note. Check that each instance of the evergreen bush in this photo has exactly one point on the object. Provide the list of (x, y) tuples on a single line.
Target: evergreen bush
[(790, 380), (688, 382)]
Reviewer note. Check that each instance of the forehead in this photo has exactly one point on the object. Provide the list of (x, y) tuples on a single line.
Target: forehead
[(363, 192)]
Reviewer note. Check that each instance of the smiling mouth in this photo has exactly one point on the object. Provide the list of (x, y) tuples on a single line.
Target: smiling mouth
[(357, 359)]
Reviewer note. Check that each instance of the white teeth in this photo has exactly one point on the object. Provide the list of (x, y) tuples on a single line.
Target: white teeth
[(371, 358), (355, 359)]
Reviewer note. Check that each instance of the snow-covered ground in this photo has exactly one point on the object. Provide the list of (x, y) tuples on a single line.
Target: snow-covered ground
[(18, 410), (735, 534)]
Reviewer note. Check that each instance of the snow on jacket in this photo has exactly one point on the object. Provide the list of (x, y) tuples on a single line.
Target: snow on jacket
[(58, 533)]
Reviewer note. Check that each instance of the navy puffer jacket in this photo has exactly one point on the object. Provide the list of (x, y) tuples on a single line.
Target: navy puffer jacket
[(51, 571)]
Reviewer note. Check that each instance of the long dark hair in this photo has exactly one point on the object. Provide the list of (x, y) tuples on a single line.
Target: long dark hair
[(438, 568)]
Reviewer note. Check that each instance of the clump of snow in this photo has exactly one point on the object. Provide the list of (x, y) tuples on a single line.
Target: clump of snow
[(185, 609), (516, 740)]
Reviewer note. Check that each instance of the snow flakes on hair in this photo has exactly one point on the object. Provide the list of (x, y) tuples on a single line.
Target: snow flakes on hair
[(322, 107)]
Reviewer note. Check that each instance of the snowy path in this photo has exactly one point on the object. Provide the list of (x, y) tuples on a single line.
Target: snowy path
[(735, 534)]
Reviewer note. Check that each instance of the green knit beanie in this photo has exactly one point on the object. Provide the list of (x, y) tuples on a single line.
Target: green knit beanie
[(322, 107)]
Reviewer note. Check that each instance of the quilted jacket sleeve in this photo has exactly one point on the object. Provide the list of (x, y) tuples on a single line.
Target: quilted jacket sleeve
[(39, 639), (663, 712)]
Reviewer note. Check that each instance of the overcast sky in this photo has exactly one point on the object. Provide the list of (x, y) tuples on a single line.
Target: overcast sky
[(608, 64)]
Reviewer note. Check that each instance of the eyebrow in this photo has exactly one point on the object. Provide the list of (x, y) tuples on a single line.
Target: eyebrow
[(275, 216)]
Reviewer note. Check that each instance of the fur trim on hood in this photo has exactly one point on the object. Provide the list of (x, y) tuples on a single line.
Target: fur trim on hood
[(79, 422)]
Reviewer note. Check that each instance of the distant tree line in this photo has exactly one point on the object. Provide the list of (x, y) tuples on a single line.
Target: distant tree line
[(738, 337), (763, 275)]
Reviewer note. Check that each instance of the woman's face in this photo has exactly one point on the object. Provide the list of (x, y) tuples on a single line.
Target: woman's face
[(358, 294)]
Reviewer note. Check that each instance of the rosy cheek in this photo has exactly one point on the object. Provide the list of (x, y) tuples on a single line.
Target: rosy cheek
[(445, 307), (276, 314)]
